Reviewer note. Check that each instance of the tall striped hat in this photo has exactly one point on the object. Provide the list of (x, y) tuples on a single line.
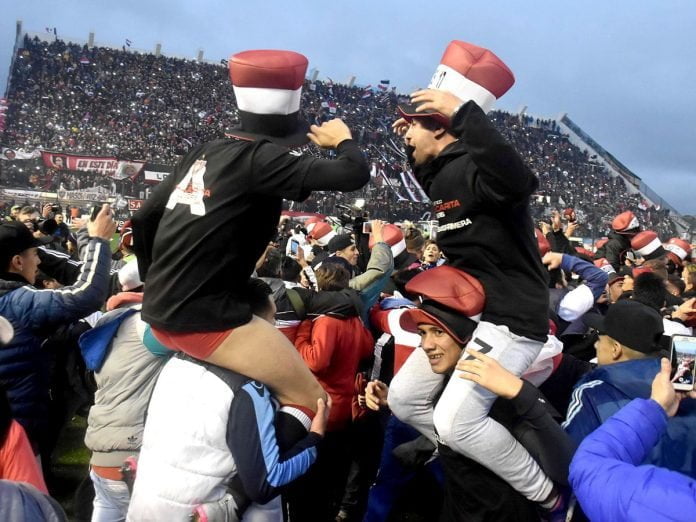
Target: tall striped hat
[(469, 72), (268, 86)]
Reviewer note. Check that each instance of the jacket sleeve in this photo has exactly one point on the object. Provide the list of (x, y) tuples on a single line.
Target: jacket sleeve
[(582, 417), (503, 177), (609, 481), (581, 299), (556, 446), (87, 295), (277, 172), (381, 263), (251, 437), (59, 265), (315, 341)]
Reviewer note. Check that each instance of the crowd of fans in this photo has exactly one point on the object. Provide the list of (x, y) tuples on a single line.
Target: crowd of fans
[(434, 354), (106, 102)]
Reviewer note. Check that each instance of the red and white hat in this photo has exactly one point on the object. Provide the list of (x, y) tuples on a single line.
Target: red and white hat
[(268, 86), (126, 239), (450, 298), (647, 245), (625, 223), (678, 250), (321, 232), (469, 72), (603, 264), (393, 236)]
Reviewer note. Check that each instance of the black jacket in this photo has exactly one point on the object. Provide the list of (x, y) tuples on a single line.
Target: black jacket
[(480, 188), (614, 250)]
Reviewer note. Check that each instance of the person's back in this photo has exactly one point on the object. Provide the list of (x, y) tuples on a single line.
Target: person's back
[(218, 434), (333, 349)]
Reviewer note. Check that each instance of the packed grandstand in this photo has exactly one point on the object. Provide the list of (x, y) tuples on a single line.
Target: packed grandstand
[(84, 124)]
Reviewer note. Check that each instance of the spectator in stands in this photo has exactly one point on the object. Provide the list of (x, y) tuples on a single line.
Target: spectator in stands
[(32, 312), (59, 102)]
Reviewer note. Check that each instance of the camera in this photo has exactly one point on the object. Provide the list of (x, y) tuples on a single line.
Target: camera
[(352, 215)]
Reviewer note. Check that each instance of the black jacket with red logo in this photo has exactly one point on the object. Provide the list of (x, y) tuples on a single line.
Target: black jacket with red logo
[(480, 189)]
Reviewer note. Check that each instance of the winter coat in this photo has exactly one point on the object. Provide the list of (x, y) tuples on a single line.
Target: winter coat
[(607, 389), (333, 349), (34, 313), (611, 484)]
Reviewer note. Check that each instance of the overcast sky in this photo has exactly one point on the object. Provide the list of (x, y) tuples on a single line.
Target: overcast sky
[(623, 70)]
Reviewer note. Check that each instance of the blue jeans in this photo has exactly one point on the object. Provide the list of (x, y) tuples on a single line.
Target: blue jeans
[(392, 475), (111, 499)]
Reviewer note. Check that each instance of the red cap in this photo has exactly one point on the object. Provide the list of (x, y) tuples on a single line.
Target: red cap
[(647, 245), (626, 222), (268, 69), (678, 250), (393, 236)]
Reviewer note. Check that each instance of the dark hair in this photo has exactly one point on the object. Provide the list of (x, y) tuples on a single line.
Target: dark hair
[(332, 276), (649, 289), (271, 265), (414, 239), (402, 277), (290, 270), (257, 295), (429, 123), (677, 282)]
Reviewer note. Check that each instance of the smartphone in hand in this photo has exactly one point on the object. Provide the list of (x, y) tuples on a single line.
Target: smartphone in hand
[(367, 227), (95, 210), (683, 359), (294, 245)]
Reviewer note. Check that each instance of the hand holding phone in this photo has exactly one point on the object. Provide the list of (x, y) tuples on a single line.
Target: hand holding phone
[(294, 245), (683, 360)]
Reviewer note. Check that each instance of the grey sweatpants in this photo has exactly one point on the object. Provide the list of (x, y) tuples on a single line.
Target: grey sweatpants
[(460, 419)]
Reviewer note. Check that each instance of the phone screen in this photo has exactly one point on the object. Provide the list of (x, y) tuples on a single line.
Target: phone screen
[(683, 362), (367, 227), (293, 246)]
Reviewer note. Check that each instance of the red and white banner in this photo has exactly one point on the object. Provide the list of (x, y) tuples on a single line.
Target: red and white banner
[(61, 161)]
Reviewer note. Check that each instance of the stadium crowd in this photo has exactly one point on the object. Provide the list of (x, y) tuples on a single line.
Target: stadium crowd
[(106, 102), (236, 363)]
